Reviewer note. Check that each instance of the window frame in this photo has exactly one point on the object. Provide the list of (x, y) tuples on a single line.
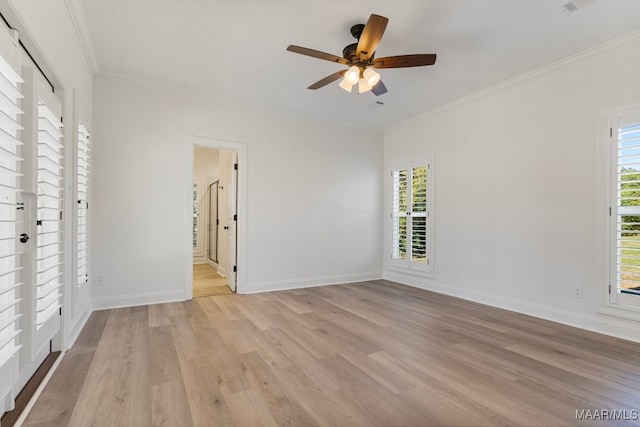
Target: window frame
[(407, 265), (615, 299)]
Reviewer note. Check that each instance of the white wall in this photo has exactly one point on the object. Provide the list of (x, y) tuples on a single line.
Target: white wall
[(516, 221), (313, 194)]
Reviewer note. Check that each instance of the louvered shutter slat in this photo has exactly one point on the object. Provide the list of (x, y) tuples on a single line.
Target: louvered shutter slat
[(83, 153), (9, 165), (49, 253)]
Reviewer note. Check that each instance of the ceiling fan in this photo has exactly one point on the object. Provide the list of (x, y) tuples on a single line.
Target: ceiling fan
[(360, 59)]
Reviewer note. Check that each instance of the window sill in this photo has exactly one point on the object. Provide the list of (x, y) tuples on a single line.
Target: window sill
[(621, 311), (411, 271)]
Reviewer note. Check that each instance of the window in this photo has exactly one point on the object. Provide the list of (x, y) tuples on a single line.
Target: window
[(625, 211), (83, 156), (411, 216)]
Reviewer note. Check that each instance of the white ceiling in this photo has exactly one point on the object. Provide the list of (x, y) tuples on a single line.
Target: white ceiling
[(236, 48)]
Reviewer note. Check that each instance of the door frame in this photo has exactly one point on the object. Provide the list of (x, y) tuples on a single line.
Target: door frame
[(241, 224)]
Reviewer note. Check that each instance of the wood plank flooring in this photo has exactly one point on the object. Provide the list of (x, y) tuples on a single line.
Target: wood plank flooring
[(208, 282), (368, 354)]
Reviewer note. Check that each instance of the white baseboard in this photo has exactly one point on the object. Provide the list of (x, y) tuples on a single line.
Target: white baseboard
[(133, 300), (215, 266), (78, 325), (595, 323), (283, 285), (25, 413)]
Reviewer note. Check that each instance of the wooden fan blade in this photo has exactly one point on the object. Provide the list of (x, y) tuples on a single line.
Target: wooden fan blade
[(404, 61), (379, 89), (316, 54), (371, 35), (329, 79)]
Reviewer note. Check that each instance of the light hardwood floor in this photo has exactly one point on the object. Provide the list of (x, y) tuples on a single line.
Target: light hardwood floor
[(207, 282), (368, 354)]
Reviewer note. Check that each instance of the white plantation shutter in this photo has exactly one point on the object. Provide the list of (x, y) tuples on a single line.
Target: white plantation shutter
[(83, 155), (9, 189), (399, 215), (626, 206), (419, 214), (411, 216), (49, 238)]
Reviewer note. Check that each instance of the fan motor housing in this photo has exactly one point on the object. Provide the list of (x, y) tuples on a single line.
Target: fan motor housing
[(349, 52)]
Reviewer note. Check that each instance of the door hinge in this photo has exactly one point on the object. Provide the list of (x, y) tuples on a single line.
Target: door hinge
[(609, 289), (60, 215), (235, 166), (60, 311), (609, 210), (235, 268), (235, 217), (610, 132)]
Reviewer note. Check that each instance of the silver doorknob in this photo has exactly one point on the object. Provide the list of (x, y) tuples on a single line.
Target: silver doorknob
[(24, 238)]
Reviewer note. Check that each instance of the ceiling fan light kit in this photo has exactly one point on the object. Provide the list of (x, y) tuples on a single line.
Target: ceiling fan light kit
[(359, 57), (366, 79)]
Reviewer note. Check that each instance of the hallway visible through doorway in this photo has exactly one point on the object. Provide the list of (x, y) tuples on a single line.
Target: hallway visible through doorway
[(208, 282)]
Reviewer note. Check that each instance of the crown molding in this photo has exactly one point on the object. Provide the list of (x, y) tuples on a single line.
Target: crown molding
[(33, 41), (77, 15), (586, 55)]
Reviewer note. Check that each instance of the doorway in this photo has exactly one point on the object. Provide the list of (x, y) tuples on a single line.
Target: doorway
[(214, 224)]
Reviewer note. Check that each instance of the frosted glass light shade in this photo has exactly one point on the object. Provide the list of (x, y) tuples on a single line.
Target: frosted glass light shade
[(363, 86), (371, 77), (344, 84), (352, 75)]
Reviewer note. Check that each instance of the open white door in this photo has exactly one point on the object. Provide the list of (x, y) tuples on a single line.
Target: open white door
[(232, 220)]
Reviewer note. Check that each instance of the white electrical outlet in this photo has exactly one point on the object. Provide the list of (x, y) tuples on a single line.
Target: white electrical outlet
[(577, 292)]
